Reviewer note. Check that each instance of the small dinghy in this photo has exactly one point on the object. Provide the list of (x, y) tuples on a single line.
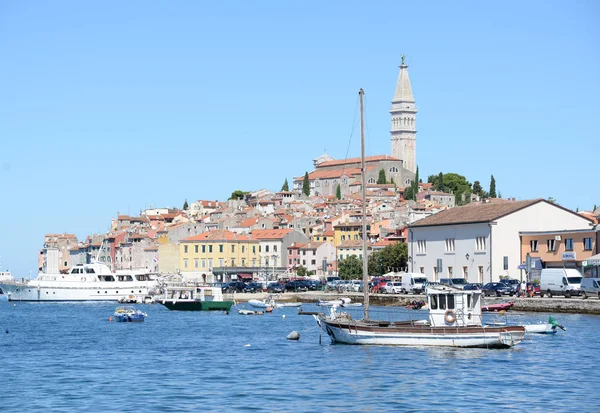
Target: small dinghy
[(128, 314), (250, 312)]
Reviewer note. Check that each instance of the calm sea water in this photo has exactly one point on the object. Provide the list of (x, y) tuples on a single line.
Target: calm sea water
[(69, 357)]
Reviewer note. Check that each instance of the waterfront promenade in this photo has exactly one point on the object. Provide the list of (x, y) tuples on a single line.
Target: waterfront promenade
[(574, 305)]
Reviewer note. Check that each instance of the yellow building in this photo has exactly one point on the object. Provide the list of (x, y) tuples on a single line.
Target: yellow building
[(201, 253), (347, 232)]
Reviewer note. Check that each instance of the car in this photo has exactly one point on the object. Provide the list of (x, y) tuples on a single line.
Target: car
[(512, 283), (392, 287), (473, 286), (315, 285), (253, 287), (296, 285), (233, 286), (536, 288), (455, 282), (275, 287), (498, 289), (378, 285)]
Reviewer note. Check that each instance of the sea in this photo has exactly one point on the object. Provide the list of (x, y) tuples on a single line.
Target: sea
[(68, 357)]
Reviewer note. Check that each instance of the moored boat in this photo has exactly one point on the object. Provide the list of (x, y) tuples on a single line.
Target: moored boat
[(498, 307), (194, 298), (129, 314)]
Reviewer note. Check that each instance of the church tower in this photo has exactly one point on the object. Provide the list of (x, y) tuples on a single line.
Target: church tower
[(404, 113)]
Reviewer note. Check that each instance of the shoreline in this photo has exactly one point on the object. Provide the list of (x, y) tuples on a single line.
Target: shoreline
[(573, 305)]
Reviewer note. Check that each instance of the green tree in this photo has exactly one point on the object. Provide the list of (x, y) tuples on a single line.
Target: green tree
[(350, 268), (381, 178), (338, 192), (595, 208), (392, 181), (301, 271), (415, 184), (440, 182), (238, 194), (285, 186), (306, 185), (391, 258), (477, 189), (185, 205), (408, 193), (492, 187)]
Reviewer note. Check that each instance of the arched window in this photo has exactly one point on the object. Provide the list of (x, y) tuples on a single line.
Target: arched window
[(317, 183), (371, 181), (393, 169), (407, 182)]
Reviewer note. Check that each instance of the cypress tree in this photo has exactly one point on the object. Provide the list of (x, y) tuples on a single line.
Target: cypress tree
[(185, 205), (306, 185), (415, 184), (338, 192), (381, 179), (408, 193), (285, 186), (440, 182), (492, 187)]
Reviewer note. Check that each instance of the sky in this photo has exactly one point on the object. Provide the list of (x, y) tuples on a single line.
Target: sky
[(113, 107)]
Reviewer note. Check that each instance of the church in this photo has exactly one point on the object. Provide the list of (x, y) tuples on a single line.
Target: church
[(400, 166)]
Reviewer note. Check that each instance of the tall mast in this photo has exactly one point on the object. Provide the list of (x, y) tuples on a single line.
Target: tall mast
[(364, 207)]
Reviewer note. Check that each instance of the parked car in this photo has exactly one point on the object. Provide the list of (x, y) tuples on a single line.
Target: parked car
[(253, 287), (296, 285), (315, 285), (536, 288), (392, 287), (473, 286), (512, 283), (233, 286), (455, 282), (378, 284), (275, 287), (590, 287), (497, 289)]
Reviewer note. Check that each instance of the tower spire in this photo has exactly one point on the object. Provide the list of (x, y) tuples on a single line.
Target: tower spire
[(403, 112)]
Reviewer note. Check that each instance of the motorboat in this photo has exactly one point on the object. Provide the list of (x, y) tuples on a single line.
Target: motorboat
[(250, 312), (344, 301), (84, 282), (129, 314), (497, 307), (270, 303), (194, 298), (550, 327)]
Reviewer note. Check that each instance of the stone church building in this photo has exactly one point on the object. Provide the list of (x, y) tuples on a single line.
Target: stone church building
[(400, 166)]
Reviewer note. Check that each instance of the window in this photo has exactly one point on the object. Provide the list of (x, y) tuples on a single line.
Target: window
[(203, 249), (422, 270), (480, 244), (253, 250), (393, 169), (313, 262), (551, 243), (233, 248), (372, 181), (185, 248), (343, 238), (450, 271), (587, 243), (274, 248), (569, 244), (203, 262), (196, 249), (506, 263), (210, 248), (266, 248), (303, 262), (422, 246), (480, 271), (233, 262), (290, 261), (196, 262), (243, 249), (210, 264), (220, 247), (220, 262), (449, 244), (466, 273), (185, 263), (533, 244)]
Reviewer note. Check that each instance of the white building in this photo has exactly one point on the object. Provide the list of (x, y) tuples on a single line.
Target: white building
[(481, 242)]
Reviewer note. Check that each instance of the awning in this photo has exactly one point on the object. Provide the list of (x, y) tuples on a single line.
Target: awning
[(246, 276), (592, 261)]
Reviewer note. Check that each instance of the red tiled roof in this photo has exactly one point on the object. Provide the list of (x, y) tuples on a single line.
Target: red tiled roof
[(356, 160), (220, 235), (270, 233)]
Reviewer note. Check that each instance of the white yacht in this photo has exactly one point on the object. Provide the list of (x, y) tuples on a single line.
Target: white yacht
[(86, 282)]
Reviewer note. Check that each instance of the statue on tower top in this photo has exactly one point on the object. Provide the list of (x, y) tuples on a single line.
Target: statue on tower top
[(403, 57)]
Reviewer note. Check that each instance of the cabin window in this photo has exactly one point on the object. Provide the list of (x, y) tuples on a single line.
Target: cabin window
[(434, 302), (90, 271), (469, 301), (450, 302), (442, 299)]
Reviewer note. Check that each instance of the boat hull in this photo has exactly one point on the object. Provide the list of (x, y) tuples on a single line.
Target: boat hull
[(126, 318), (362, 333), (84, 291), (197, 305)]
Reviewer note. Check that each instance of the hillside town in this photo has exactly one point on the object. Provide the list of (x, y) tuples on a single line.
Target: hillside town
[(311, 229)]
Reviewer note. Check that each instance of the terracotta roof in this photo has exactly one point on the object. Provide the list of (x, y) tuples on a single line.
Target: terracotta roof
[(356, 160), (270, 233), (351, 244), (220, 235), (474, 213)]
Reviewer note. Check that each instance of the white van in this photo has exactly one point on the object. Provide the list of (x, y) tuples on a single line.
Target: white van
[(456, 282), (413, 283), (590, 287), (560, 281)]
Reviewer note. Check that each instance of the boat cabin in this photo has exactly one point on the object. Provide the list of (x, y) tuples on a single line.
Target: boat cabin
[(453, 307)]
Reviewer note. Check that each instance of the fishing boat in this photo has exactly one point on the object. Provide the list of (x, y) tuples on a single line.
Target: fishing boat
[(129, 314), (194, 298), (84, 282), (454, 314)]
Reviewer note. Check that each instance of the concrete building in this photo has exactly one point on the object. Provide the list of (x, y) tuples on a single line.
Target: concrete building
[(482, 242)]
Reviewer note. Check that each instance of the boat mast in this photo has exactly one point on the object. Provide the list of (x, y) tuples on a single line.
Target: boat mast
[(364, 208)]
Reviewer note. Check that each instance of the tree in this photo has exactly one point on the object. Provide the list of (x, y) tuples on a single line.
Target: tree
[(392, 181), (408, 193), (381, 179), (185, 205), (238, 194), (415, 184), (477, 189), (301, 271), (492, 187), (440, 182), (595, 208), (306, 185), (285, 186), (350, 268), (391, 258), (338, 192)]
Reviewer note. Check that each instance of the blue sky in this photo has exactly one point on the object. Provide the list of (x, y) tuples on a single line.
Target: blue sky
[(119, 106)]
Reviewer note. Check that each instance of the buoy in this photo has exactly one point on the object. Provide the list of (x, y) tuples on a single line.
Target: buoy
[(110, 318), (269, 309), (283, 316), (294, 335), (14, 305), (246, 345)]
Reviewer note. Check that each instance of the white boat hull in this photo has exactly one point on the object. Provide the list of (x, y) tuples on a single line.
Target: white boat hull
[(450, 337), (81, 291), (542, 328)]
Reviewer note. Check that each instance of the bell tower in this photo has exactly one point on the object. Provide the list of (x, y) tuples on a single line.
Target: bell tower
[(404, 114)]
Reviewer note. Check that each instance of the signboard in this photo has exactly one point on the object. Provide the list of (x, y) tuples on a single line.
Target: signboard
[(569, 256)]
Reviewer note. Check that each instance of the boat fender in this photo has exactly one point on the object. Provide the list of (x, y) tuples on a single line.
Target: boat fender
[(294, 335), (450, 316)]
